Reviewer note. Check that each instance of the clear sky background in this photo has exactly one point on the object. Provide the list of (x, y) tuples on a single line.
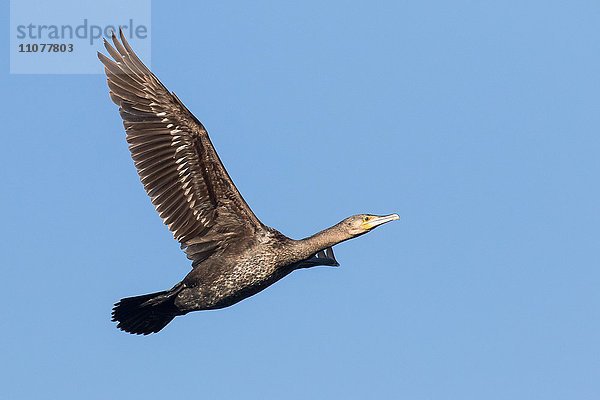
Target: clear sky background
[(478, 122)]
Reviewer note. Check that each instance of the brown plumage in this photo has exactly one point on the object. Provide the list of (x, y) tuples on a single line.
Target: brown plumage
[(233, 254)]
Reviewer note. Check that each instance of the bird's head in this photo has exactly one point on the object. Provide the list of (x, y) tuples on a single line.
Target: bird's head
[(360, 224)]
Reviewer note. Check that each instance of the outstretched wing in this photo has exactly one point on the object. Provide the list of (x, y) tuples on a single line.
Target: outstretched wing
[(173, 155)]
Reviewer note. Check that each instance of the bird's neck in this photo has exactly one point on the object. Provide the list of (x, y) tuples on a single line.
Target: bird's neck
[(320, 241)]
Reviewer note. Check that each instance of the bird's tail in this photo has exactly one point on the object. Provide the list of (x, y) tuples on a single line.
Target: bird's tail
[(149, 313)]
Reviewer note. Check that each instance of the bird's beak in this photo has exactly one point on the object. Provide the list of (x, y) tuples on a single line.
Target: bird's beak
[(375, 222)]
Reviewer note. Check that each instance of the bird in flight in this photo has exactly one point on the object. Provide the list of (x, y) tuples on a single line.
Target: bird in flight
[(233, 254)]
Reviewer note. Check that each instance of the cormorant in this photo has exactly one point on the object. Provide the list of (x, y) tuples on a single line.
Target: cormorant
[(233, 254)]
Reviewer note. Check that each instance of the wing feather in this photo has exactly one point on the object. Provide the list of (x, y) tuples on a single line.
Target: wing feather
[(177, 164)]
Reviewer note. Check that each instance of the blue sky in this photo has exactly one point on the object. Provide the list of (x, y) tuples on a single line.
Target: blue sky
[(477, 122)]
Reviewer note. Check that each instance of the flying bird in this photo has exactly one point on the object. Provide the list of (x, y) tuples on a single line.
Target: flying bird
[(233, 254)]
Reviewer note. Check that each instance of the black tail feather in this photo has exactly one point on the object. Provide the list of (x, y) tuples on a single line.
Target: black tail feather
[(146, 314)]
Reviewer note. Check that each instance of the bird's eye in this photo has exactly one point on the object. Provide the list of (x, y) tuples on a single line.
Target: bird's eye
[(365, 219)]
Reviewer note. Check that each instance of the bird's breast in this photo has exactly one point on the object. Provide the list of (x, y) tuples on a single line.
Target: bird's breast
[(228, 281)]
